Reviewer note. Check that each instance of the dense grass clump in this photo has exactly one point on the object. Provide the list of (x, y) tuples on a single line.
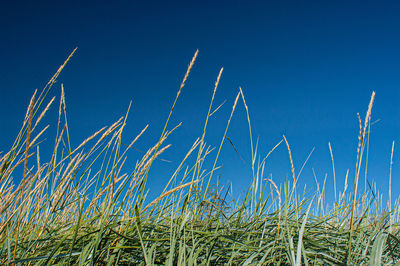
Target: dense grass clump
[(81, 208)]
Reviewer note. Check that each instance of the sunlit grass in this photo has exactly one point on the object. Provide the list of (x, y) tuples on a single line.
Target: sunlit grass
[(80, 207)]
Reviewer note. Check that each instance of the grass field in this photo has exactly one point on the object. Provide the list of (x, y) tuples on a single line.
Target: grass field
[(81, 208)]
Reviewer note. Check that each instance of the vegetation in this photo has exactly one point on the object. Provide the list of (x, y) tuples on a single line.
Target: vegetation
[(80, 208)]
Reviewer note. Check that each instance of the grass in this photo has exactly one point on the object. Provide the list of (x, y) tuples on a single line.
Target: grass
[(80, 208)]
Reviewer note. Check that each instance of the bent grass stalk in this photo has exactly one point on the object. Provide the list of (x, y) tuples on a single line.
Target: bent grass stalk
[(360, 151)]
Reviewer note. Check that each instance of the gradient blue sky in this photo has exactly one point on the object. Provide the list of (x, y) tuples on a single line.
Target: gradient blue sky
[(306, 69)]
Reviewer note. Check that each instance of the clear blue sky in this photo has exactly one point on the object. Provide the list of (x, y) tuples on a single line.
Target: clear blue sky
[(306, 68)]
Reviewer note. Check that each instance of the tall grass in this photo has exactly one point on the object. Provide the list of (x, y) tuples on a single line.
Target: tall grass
[(81, 208)]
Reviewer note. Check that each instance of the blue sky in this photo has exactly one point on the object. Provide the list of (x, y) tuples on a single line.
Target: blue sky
[(306, 69)]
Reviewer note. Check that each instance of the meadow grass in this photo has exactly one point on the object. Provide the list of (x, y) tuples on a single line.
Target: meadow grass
[(81, 208)]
